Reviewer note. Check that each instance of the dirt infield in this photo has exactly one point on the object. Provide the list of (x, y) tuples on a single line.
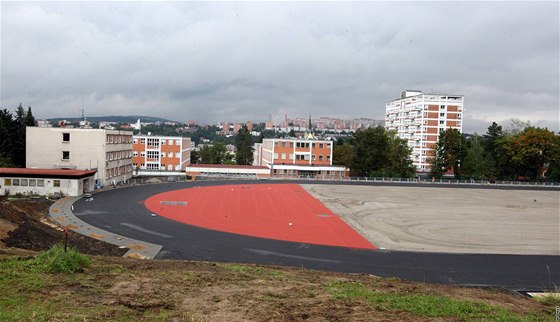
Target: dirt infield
[(449, 219)]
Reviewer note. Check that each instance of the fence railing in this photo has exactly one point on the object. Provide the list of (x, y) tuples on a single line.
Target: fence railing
[(443, 181)]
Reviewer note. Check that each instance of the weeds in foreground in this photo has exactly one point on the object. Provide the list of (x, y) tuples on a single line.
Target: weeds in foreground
[(55, 260), (427, 305)]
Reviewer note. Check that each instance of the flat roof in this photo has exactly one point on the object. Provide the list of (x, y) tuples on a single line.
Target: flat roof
[(46, 173)]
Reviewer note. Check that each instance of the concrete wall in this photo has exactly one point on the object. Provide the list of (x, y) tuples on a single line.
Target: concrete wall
[(88, 149)]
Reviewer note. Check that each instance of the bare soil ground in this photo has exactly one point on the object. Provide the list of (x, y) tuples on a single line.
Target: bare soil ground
[(449, 219), (25, 224)]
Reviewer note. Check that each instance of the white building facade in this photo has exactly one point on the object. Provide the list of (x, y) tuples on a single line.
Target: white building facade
[(107, 151), (45, 182), (418, 118)]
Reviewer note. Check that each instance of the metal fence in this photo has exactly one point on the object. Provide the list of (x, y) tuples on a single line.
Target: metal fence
[(443, 181)]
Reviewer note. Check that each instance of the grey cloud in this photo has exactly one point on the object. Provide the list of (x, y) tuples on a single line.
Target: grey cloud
[(239, 61)]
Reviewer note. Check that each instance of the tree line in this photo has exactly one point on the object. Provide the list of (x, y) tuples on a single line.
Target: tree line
[(217, 152), (374, 152), (12, 136), (524, 152)]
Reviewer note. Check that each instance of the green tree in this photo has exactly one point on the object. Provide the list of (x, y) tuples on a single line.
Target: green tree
[(29, 119), (205, 154), (343, 155), (494, 152), (7, 126), (194, 157), (399, 162), (371, 152), (18, 137), (244, 146), (532, 151), (477, 164), (449, 153), (219, 154)]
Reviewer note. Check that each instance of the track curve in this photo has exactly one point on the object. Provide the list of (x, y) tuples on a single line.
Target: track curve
[(122, 211)]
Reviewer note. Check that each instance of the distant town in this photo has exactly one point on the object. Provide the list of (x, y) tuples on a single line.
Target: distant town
[(420, 137)]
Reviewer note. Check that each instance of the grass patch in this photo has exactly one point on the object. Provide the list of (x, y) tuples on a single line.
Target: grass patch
[(421, 304), (55, 260), (550, 299), (253, 270)]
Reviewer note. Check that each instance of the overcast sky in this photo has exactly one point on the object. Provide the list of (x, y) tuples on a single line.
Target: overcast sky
[(239, 61)]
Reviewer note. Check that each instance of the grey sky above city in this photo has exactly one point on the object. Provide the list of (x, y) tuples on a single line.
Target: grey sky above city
[(240, 61)]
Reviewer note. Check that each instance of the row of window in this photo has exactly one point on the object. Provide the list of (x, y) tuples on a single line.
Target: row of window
[(116, 138), (155, 166), (118, 155), (302, 144), (29, 182), (156, 142), (300, 157), (156, 155), (117, 171)]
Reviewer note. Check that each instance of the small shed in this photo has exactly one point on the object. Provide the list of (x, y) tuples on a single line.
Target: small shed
[(47, 182)]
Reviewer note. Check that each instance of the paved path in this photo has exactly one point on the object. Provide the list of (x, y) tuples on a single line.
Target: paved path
[(122, 211), (62, 212)]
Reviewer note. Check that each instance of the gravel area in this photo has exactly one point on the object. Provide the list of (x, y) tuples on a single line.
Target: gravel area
[(451, 220)]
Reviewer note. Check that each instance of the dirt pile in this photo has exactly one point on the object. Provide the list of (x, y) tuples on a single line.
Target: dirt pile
[(24, 223)]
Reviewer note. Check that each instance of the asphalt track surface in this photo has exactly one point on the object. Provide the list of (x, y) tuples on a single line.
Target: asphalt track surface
[(122, 211)]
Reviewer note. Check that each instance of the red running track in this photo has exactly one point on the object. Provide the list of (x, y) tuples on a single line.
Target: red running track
[(274, 211)]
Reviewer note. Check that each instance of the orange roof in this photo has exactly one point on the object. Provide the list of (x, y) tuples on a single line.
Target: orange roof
[(226, 166), (46, 173)]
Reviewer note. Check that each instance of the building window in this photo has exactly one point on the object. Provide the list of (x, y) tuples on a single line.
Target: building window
[(153, 142), (313, 157), (320, 158), (65, 137), (276, 143), (442, 114), (178, 142), (291, 156), (40, 183), (320, 145), (275, 155), (313, 145), (24, 182), (291, 144), (177, 154), (283, 156), (170, 154), (441, 122), (65, 155), (135, 141), (15, 182), (7, 182), (135, 153), (328, 158), (32, 182), (442, 107), (142, 140), (56, 183), (283, 144), (163, 142)]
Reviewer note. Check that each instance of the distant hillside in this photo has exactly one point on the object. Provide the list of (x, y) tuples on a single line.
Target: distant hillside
[(114, 118)]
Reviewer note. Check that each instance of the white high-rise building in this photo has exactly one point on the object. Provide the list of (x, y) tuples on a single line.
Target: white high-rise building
[(419, 117)]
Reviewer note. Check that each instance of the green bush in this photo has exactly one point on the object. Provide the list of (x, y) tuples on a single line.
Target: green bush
[(56, 260)]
